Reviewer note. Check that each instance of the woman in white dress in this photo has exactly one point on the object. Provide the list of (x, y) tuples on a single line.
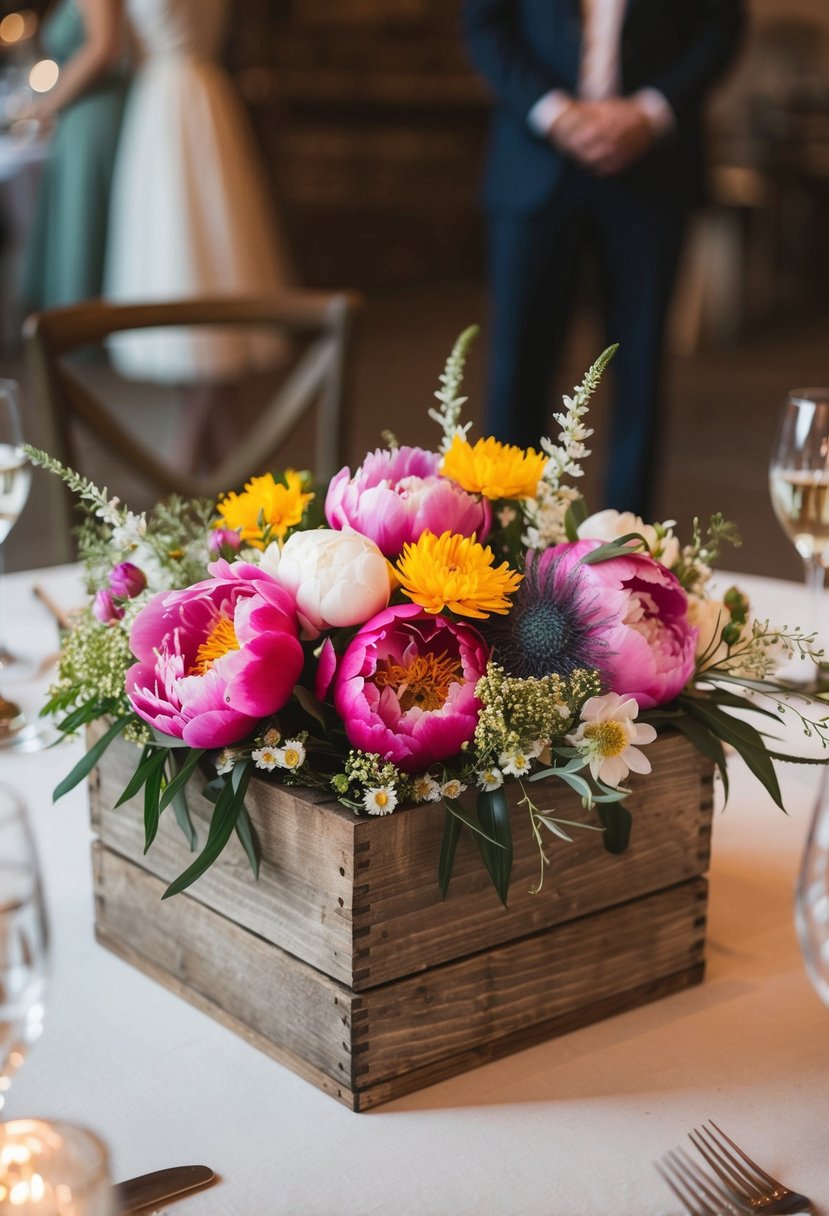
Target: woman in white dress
[(189, 211)]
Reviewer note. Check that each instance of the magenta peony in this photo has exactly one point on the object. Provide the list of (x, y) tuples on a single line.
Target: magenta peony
[(639, 612), (405, 686), (395, 496), (215, 658)]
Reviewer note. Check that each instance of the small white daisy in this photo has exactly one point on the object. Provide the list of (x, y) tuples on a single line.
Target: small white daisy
[(452, 788), (271, 736), (425, 789), (490, 778), (291, 754), (516, 763), (225, 762), (606, 736), (264, 757), (381, 800)]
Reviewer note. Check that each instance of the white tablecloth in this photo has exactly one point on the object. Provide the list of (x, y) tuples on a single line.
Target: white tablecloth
[(569, 1127)]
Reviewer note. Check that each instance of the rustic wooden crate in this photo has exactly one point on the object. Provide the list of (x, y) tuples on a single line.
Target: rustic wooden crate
[(343, 962)]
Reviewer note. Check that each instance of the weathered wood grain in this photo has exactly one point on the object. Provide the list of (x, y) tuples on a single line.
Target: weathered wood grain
[(358, 898), (366, 1048)]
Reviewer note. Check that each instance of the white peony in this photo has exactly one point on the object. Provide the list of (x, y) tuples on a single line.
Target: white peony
[(611, 525), (338, 578)]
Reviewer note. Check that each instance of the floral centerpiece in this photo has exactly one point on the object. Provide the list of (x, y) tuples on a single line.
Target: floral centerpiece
[(430, 623)]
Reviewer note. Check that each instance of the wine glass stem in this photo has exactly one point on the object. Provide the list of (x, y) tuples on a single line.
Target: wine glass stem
[(5, 655), (815, 575)]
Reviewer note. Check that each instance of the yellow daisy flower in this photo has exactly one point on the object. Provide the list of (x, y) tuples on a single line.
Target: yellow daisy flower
[(265, 509), (496, 470), (455, 572)]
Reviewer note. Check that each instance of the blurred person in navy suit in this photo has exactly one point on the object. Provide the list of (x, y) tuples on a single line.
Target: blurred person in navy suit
[(596, 135)]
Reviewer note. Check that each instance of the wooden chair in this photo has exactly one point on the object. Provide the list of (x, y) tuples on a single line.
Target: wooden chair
[(321, 325)]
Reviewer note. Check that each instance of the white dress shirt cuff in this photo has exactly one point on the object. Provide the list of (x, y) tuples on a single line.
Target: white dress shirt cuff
[(547, 110), (656, 108)]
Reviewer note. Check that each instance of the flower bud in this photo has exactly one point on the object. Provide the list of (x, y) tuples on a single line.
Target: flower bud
[(105, 609), (126, 581), (224, 541)]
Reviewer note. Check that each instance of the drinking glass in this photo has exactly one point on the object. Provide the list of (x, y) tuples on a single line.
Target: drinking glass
[(15, 479), (24, 937), (799, 487), (53, 1169), (812, 894)]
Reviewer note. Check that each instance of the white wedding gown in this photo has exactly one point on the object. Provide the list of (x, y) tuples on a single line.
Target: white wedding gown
[(189, 211)]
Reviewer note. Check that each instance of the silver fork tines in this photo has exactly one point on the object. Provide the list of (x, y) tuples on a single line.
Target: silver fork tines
[(743, 1179), (698, 1192)]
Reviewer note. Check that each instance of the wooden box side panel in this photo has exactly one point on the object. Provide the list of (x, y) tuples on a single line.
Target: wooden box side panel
[(509, 990), (402, 926), (303, 897), (280, 1004), (367, 1048)]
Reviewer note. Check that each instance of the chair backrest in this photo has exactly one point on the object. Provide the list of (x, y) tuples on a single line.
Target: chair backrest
[(320, 323)]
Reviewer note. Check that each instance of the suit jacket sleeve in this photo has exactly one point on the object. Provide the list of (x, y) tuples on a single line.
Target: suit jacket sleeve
[(706, 56), (502, 56)]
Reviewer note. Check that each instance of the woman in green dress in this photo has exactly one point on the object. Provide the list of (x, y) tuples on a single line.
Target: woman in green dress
[(65, 254)]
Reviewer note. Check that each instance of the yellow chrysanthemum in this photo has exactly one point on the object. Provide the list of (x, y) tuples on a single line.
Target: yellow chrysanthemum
[(265, 509), (496, 470), (455, 572)]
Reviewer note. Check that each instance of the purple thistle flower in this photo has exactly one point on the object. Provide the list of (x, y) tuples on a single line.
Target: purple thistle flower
[(627, 617), (553, 626)]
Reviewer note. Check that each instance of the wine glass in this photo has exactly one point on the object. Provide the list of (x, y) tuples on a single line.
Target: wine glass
[(24, 937), (15, 480), (15, 472), (799, 487), (812, 894)]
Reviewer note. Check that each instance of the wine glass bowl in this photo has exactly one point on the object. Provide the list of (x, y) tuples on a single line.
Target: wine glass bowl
[(15, 481), (24, 937), (799, 486), (799, 473)]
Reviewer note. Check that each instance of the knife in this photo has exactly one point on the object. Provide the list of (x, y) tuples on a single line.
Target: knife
[(138, 1193)]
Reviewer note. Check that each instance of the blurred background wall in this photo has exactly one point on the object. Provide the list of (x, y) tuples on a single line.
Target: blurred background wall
[(371, 125)]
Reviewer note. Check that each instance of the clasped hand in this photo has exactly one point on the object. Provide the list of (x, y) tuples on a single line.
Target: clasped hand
[(604, 136)]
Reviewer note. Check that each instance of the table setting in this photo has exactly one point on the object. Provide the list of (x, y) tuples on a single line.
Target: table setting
[(138, 1051)]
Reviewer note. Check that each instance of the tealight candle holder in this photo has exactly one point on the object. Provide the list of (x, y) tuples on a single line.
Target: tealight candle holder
[(53, 1169)]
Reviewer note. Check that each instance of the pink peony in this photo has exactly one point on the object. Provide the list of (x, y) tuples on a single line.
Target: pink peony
[(639, 610), (216, 657), (395, 496), (405, 686)]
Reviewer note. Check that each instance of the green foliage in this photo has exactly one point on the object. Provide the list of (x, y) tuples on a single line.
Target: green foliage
[(228, 808), (494, 818), (86, 764)]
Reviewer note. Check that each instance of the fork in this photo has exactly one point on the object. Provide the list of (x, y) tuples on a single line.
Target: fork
[(744, 1180), (698, 1192)]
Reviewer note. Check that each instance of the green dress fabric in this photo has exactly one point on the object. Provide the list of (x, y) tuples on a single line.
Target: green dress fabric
[(65, 254)]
